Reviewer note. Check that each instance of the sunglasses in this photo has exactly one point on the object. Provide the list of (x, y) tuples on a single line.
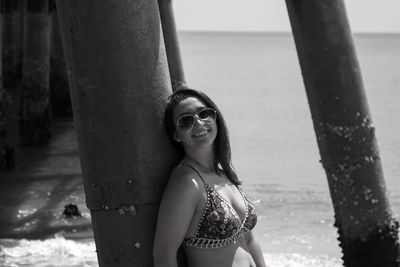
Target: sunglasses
[(186, 121)]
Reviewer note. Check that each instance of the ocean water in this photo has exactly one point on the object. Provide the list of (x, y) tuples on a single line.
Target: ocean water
[(256, 80)]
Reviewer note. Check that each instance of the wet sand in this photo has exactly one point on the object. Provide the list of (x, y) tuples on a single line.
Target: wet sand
[(33, 196)]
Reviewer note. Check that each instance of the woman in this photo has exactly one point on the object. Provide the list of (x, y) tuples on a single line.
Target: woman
[(203, 207)]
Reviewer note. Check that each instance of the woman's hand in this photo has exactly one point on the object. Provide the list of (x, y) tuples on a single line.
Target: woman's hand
[(255, 249)]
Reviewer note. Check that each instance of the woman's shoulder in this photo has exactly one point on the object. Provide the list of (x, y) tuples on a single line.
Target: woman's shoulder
[(183, 177)]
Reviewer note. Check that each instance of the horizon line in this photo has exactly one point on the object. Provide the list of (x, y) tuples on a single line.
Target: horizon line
[(280, 32)]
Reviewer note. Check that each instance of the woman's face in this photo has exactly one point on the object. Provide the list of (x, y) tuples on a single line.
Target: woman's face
[(203, 132)]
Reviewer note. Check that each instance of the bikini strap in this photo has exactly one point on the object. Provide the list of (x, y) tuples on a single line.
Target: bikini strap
[(193, 168)]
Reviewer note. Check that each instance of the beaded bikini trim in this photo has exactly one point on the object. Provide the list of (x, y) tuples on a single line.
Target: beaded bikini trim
[(200, 242)]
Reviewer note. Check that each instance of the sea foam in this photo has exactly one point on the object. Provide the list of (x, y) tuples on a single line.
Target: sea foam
[(59, 251), (56, 251)]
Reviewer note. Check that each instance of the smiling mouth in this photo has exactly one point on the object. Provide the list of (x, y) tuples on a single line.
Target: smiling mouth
[(201, 133)]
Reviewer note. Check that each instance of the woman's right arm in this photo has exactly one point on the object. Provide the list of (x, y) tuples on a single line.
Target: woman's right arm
[(174, 216)]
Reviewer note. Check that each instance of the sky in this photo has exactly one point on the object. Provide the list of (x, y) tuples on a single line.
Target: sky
[(271, 15)]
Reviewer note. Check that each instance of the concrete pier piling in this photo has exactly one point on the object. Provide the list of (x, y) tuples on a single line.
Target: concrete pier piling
[(118, 75), (171, 41), (10, 22), (368, 233), (35, 96), (59, 88)]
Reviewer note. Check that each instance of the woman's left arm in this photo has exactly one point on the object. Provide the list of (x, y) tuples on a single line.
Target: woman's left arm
[(255, 249)]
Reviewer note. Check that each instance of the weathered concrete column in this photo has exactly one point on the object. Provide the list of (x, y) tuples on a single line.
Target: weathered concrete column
[(345, 133), (59, 90), (7, 160), (22, 15), (118, 76), (10, 42), (7, 147), (172, 44), (3, 124), (35, 98)]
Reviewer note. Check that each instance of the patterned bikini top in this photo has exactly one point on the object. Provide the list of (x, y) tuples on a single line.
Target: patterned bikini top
[(220, 225)]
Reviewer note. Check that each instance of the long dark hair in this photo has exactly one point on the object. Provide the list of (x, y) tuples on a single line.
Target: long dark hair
[(222, 148)]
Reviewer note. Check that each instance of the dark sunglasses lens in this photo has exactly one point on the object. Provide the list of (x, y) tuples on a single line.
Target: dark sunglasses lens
[(186, 122), (207, 114)]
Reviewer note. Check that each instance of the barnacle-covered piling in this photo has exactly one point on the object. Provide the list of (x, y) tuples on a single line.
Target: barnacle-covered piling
[(368, 233)]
